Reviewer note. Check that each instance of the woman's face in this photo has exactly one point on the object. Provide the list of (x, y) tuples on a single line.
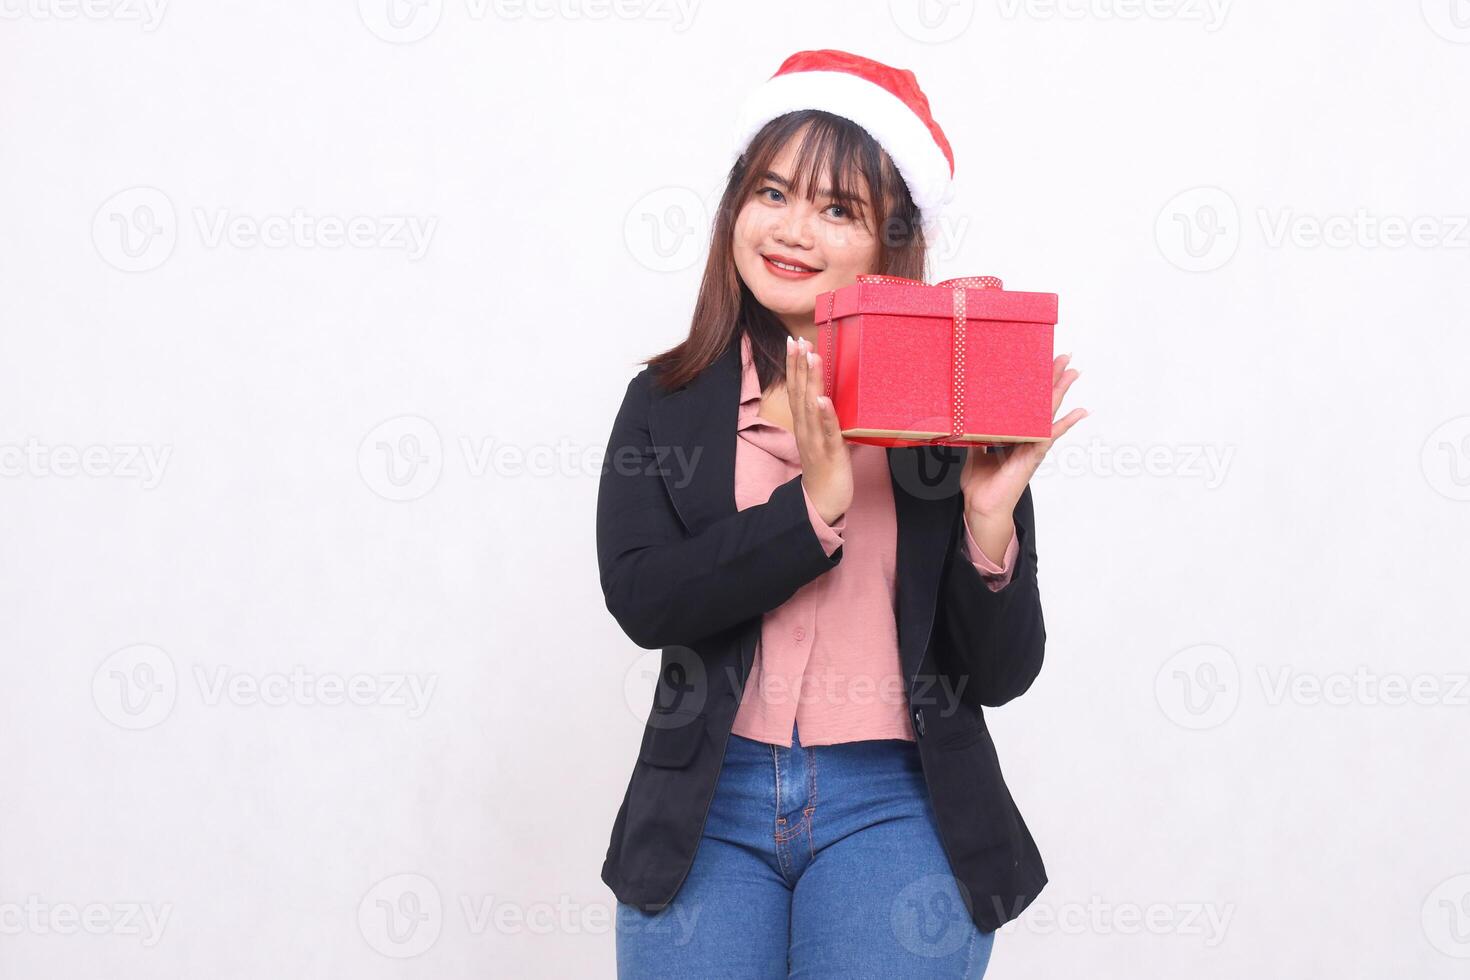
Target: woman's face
[(788, 249)]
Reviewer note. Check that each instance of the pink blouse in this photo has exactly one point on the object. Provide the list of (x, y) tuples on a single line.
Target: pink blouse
[(827, 659)]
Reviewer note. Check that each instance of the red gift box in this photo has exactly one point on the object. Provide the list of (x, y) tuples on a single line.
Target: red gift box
[(962, 362)]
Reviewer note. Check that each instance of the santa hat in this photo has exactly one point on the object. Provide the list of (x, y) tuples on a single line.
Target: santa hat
[(886, 102)]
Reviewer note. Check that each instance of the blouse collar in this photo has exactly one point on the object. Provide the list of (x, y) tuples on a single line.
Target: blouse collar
[(774, 439)]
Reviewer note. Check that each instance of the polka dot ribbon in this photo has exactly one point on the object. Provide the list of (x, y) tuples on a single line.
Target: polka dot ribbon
[(957, 288)]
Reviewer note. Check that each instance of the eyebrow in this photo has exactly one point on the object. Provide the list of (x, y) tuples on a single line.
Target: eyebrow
[(776, 178)]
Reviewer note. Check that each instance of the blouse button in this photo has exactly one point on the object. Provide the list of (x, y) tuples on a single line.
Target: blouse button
[(799, 633)]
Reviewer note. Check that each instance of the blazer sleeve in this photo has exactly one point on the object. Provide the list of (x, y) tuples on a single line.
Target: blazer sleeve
[(999, 635), (666, 587)]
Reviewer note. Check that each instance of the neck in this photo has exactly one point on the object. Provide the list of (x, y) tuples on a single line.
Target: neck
[(801, 327)]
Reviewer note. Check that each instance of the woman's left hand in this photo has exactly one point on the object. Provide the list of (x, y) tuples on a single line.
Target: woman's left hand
[(993, 481)]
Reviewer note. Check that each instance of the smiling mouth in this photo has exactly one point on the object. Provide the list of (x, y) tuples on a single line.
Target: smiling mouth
[(789, 270)]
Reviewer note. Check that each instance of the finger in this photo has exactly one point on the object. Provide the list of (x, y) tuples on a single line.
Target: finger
[(1059, 389), (794, 357), (797, 383), (1072, 418), (814, 382), (831, 429), (1058, 365)]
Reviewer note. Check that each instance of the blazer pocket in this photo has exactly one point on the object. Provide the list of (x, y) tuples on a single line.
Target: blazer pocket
[(671, 738), (963, 738)]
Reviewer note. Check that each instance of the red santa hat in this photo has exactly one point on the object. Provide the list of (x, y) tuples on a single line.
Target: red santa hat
[(887, 102)]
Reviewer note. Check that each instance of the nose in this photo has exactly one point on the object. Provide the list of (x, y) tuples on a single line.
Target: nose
[(793, 227)]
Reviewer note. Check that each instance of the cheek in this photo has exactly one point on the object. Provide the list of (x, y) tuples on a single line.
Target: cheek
[(747, 229), (853, 249)]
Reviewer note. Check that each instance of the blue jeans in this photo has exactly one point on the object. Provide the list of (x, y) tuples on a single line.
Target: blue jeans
[(819, 861)]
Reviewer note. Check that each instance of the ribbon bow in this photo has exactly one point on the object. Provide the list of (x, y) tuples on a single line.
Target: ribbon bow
[(957, 286)]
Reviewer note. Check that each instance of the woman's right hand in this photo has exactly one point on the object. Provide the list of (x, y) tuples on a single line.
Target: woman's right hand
[(826, 463)]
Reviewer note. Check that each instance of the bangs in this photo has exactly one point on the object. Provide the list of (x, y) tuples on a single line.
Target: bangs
[(835, 158)]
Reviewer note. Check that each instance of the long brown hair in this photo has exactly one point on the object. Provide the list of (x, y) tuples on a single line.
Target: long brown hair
[(726, 305)]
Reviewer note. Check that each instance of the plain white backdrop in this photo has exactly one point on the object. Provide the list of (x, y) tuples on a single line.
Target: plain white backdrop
[(315, 318)]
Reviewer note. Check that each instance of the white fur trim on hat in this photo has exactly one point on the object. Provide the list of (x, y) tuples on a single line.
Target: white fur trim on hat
[(901, 133)]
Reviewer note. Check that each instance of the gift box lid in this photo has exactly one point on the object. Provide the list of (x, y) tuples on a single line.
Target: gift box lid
[(921, 299)]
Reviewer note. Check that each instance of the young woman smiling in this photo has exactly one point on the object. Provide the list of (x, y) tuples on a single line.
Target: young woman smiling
[(816, 792)]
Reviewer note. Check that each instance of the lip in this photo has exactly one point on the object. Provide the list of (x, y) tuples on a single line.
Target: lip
[(787, 273)]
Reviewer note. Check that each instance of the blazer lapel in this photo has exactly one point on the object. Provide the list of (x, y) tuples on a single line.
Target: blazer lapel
[(693, 432)]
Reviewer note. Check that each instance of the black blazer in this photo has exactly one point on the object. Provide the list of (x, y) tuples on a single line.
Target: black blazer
[(684, 571)]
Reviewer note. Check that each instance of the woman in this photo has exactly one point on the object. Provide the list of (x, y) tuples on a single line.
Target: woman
[(816, 793)]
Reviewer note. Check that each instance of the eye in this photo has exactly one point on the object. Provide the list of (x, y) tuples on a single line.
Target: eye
[(842, 211), (774, 191)]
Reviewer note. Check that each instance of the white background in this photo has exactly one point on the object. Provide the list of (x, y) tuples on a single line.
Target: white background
[(376, 465)]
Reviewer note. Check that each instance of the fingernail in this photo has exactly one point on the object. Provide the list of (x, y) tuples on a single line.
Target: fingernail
[(809, 358)]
